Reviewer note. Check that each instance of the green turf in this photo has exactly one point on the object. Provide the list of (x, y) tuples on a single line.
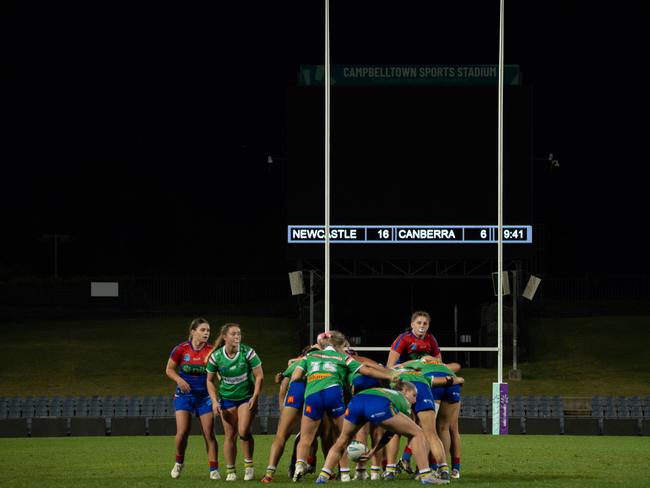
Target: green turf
[(505, 461), (570, 357)]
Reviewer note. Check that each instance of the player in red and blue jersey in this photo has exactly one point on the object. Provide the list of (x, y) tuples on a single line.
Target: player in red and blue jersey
[(414, 343), (187, 368)]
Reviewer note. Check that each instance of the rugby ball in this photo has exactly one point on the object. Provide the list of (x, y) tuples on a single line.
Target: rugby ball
[(356, 449)]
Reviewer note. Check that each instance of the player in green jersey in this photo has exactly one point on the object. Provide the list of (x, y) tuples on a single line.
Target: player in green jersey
[(326, 371), (240, 375), (390, 409)]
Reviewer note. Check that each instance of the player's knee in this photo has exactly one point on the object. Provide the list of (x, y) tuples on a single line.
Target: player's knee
[(246, 437)]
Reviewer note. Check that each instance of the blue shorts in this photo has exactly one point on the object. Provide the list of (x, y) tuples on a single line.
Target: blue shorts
[(424, 399), (369, 408), (295, 396), (228, 404), (197, 403), (363, 382), (447, 394), (328, 401)]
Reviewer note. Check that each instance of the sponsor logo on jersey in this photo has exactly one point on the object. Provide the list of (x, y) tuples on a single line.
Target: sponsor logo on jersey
[(234, 380), (318, 376)]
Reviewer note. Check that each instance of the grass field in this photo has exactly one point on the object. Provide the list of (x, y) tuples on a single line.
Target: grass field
[(569, 356), (504, 461)]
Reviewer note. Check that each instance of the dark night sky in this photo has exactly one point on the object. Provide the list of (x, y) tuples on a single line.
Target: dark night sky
[(142, 131)]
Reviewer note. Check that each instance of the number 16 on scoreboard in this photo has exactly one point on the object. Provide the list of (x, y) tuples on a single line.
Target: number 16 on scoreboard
[(379, 234)]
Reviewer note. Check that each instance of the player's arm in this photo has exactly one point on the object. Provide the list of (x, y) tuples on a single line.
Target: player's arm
[(380, 374), (171, 372), (385, 439), (258, 374), (212, 391), (284, 387), (298, 373), (446, 380)]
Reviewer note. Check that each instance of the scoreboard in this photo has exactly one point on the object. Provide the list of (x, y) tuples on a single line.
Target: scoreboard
[(409, 234)]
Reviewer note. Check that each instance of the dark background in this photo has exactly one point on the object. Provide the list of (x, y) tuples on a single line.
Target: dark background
[(142, 131)]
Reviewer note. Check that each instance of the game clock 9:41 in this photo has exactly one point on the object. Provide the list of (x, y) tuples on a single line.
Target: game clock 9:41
[(514, 234)]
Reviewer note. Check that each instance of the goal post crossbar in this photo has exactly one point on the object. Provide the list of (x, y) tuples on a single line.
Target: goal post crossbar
[(459, 349)]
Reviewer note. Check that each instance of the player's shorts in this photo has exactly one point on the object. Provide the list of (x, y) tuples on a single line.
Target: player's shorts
[(369, 408), (424, 399), (295, 396), (197, 403), (448, 394), (328, 401), (225, 404), (363, 382)]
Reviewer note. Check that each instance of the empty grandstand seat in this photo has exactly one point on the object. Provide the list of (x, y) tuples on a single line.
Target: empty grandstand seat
[(41, 407), (81, 407), (557, 406), (55, 406), (14, 407), (68, 405), (3, 408), (516, 406), (148, 406), (28, 407), (108, 405), (134, 405), (121, 407), (597, 406)]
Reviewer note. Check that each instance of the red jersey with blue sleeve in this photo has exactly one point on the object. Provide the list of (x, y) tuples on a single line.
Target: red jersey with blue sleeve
[(410, 347), (192, 364)]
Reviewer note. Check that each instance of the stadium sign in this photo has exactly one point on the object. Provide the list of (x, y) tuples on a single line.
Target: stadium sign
[(400, 75)]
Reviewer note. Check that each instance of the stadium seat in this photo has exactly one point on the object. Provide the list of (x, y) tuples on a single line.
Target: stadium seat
[(611, 408), (3, 408), (121, 407), (81, 407), (95, 407), (41, 407), (557, 406), (597, 406), (134, 405), (28, 407), (55, 406), (108, 406), (148, 406), (516, 406), (14, 407), (49, 427), (68, 406)]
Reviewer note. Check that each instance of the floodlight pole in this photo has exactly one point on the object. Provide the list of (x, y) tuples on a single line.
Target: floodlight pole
[(327, 166)]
